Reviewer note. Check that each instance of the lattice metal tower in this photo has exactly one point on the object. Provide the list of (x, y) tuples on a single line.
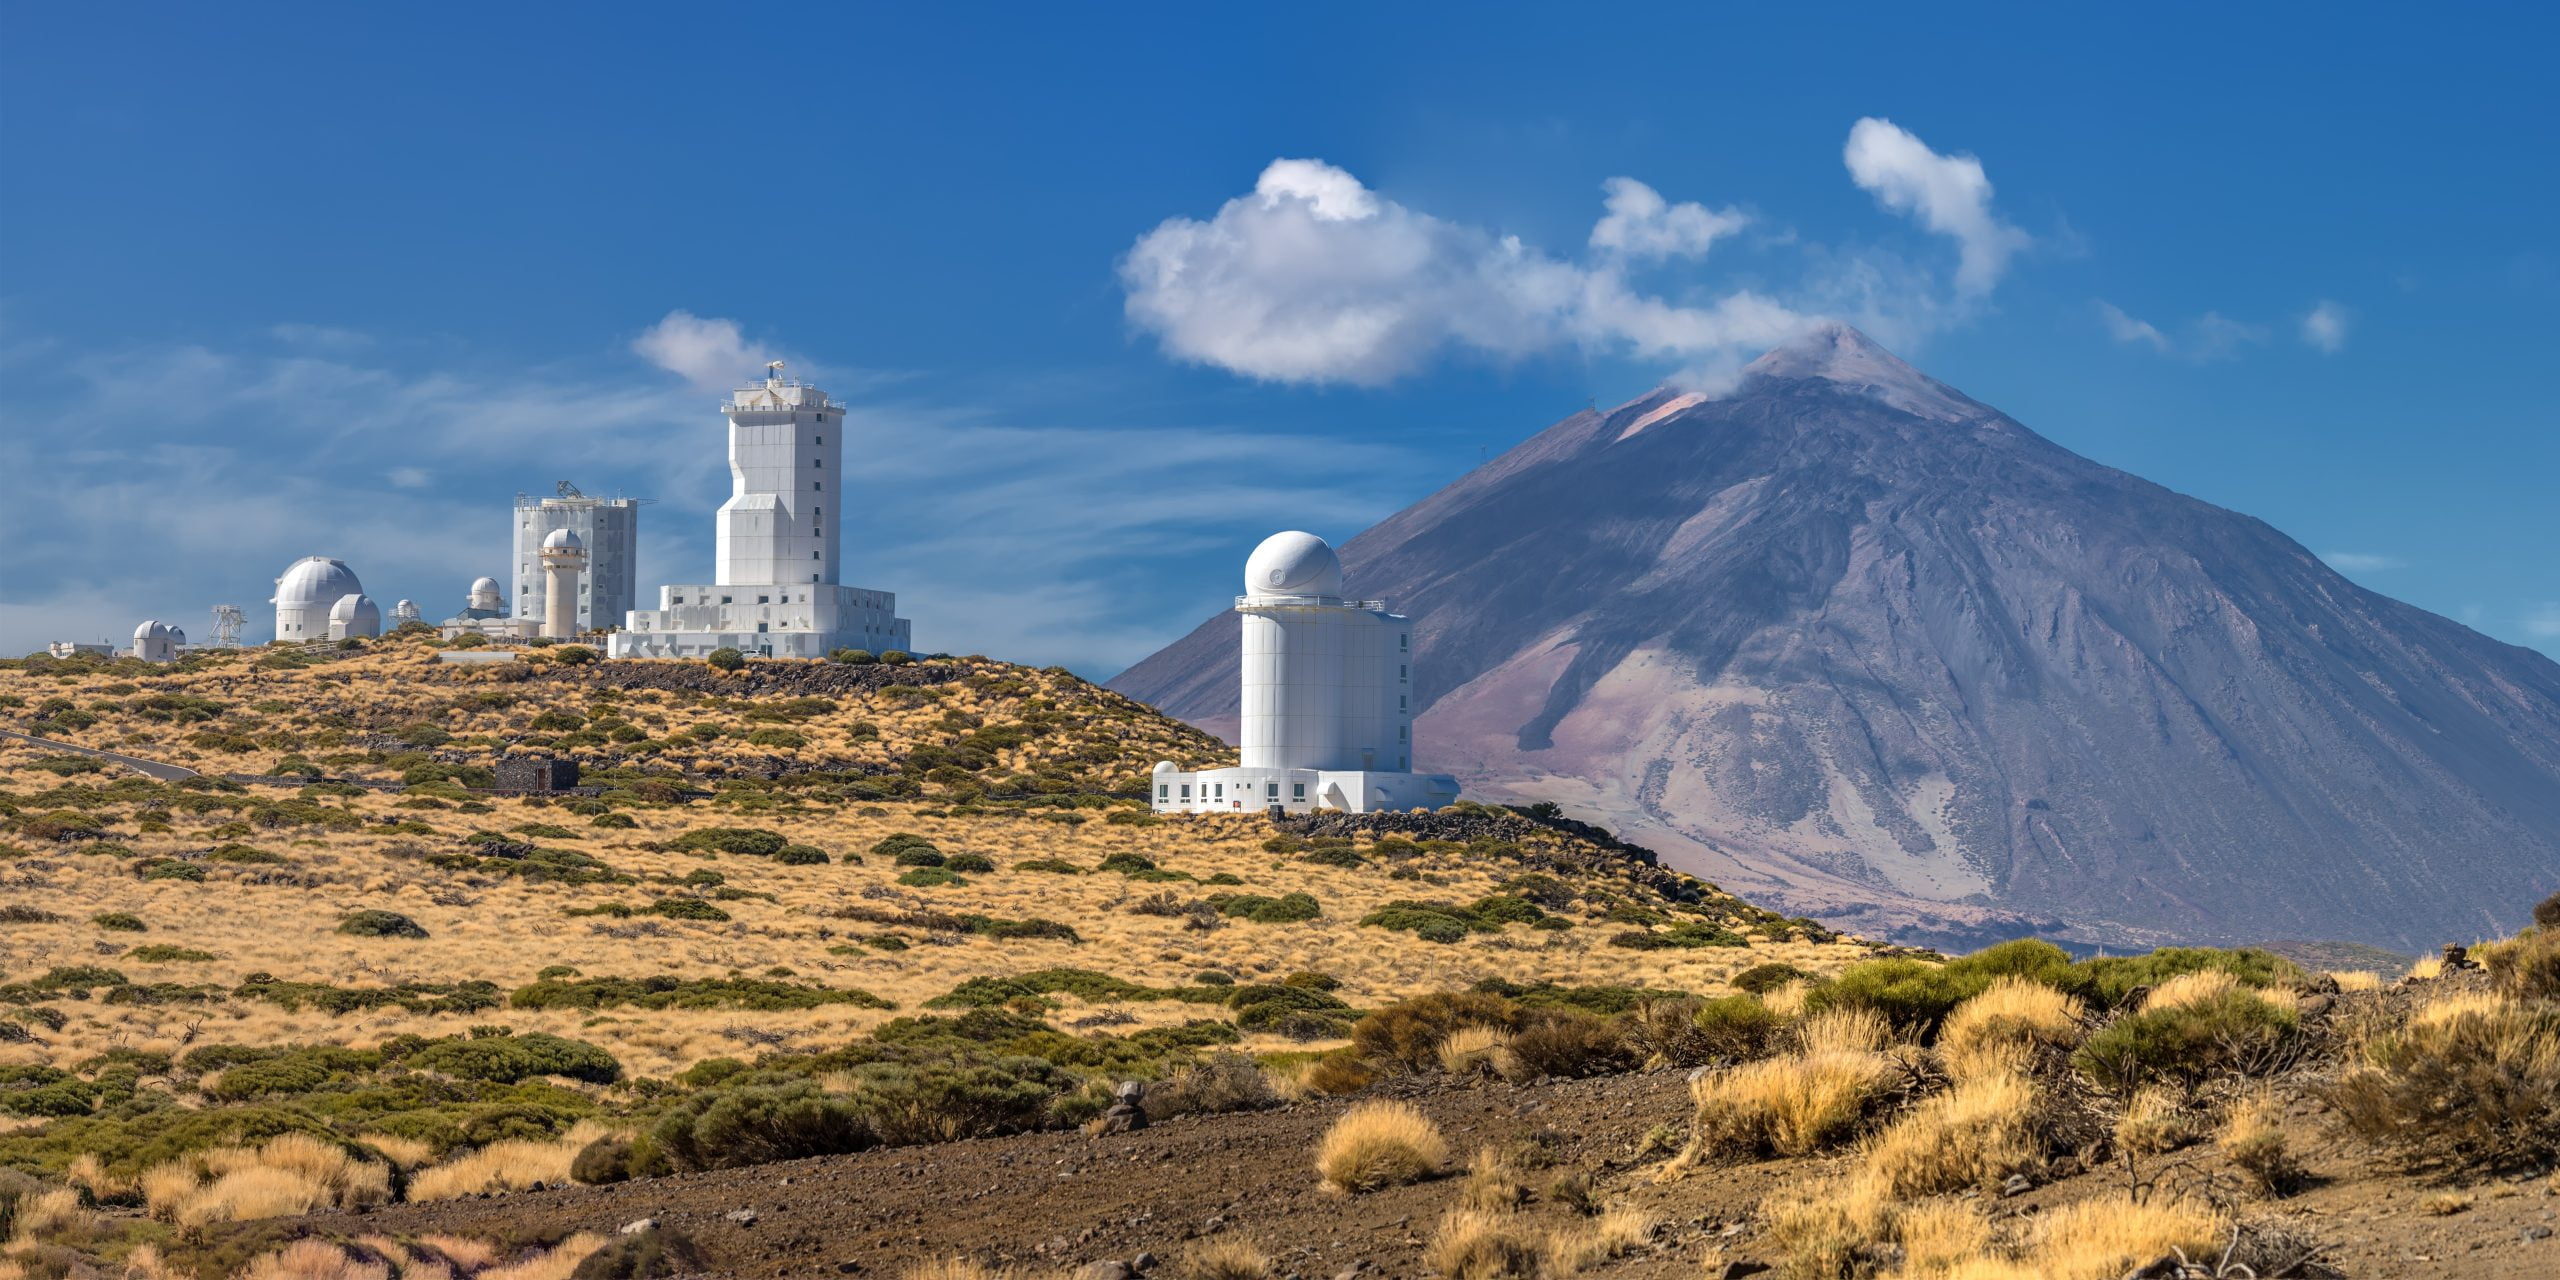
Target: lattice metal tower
[(227, 621)]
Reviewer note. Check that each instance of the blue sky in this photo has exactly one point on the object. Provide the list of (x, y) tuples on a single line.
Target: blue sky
[(290, 279)]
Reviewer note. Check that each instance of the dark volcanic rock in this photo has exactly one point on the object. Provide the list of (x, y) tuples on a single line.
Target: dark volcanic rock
[(1851, 641)]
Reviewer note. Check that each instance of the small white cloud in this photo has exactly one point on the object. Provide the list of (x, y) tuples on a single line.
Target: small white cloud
[(320, 336), (1641, 224), (705, 352), (2362, 562), (2544, 622), (2325, 326), (2125, 328), (1948, 194), (410, 477)]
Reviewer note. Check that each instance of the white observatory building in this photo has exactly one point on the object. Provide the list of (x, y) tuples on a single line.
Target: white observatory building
[(608, 529), (157, 641), (308, 599), (774, 591), (1328, 698)]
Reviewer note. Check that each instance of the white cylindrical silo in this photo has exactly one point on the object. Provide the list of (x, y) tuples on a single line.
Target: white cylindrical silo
[(1293, 650), (564, 558)]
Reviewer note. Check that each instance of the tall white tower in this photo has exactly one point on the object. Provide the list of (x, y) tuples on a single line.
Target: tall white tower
[(564, 557), (775, 591), (786, 445)]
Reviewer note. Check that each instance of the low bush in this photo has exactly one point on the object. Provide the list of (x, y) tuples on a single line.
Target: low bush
[(1686, 935), (1760, 979), (2234, 1031), (380, 924), (800, 855), (930, 878), (1972, 1136), (1288, 908), (2471, 1083), (1563, 1045), (510, 1058), (686, 909), (753, 842), (1380, 1144), (672, 992), (2006, 1028), (1408, 1033), (1789, 1105), (969, 862), (119, 922)]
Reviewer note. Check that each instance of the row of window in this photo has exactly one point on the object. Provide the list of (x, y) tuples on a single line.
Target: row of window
[(1218, 791)]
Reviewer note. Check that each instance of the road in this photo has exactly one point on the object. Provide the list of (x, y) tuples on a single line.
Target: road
[(154, 768)]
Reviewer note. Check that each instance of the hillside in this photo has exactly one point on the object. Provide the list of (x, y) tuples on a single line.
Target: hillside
[(1857, 644)]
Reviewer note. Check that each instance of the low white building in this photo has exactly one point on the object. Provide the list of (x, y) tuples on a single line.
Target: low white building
[(485, 613), (1328, 698), (774, 591)]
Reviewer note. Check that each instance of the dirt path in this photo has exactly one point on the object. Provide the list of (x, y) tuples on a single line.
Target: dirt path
[(154, 768), (1066, 1199)]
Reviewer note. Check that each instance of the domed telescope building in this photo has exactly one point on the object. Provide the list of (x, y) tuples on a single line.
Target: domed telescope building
[(1328, 698), (774, 590), (308, 599)]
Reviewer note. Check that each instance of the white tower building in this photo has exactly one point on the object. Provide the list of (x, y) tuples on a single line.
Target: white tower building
[(564, 560), (609, 529), (309, 589), (157, 641), (485, 600), (1328, 701), (775, 590)]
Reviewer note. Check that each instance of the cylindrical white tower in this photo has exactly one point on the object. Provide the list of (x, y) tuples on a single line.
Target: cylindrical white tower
[(564, 558), (1295, 628)]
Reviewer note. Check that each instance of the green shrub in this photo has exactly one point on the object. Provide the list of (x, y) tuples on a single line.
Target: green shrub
[(162, 953), (613, 821), (380, 924), (930, 878), (672, 992), (753, 842), (1564, 1045), (897, 657), (919, 855), (2472, 1093), (1914, 995), (686, 909), (1127, 863), (892, 845), (2234, 1032), (1683, 936), (727, 660), (573, 655), (289, 1071), (781, 739), (977, 862), (947, 1102), (1732, 1029), (509, 1058), (800, 855), (119, 922), (1344, 858), (2107, 980), (750, 1125), (245, 855), (1408, 1033), (1760, 979), (1055, 866), (853, 657)]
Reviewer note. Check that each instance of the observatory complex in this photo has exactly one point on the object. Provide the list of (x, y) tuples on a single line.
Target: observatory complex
[(774, 590), (319, 599), (608, 529), (1328, 698)]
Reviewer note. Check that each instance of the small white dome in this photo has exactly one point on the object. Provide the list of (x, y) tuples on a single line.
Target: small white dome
[(349, 608), (313, 581), (563, 540), (488, 586), (1164, 767), (1293, 564), (152, 630)]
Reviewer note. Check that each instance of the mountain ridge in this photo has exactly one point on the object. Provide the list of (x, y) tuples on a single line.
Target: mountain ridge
[(1860, 642)]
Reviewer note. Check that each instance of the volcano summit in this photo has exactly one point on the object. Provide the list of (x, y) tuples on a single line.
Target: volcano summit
[(1849, 640)]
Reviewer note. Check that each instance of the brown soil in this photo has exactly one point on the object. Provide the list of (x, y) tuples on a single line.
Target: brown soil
[(1064, 1199)]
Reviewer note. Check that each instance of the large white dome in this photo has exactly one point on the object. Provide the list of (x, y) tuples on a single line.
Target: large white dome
[(154, 629), (315, 582), (1293, 564), (563, 540), (480, 585)]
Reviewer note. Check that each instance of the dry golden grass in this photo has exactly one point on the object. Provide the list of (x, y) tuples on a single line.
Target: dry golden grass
[(1470, 1050), (2254, 1141), (432, 1258), (1828, 1227), (2103, 1237), (1788, 1105), (2155, 1121), (52, 1217), (2000, 1030), (1614, 1234), (1973, 1135), (1940, 1235), (2445, 1204), (1474, 1244), (1492, 1185), (290, 1174), (506, 1166), (1380, 1144), (1223, 1257), (970, 1269), (2427, 969), (2190, 988), (1836, 1031), (2357, 979), (403, 1153)]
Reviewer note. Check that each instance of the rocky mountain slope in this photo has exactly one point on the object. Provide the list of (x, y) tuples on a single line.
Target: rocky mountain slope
[(1850, 639)]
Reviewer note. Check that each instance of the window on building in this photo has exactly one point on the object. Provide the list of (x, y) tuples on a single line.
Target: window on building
[(1404, 640), (822, 439), (1400, 703), (1164, 792), (1401, 731), (1218, 791), (675, 599), (760, 628), (1271, 791), (1404, 673), (1297, 791), (726, 600), (817, 462), (1186, 791), (764, 600), (815, 487)]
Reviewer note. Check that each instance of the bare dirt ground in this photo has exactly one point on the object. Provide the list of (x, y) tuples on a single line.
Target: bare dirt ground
[(1065, 1199)]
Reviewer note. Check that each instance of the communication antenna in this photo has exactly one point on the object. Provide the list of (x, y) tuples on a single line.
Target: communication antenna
[(567, 490), (227, 621)]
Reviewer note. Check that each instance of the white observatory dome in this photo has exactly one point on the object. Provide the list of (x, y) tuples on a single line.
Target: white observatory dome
[(315, 582), (1293, 564), (484, 586), (355, 615), (563, 540), (152, 630)]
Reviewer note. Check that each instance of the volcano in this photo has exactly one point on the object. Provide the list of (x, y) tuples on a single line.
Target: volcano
[(1850, 641)]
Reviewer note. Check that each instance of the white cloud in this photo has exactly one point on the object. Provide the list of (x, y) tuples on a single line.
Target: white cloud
[(1948, 194), (706, 353), (2362, 562), (2544, 622), (2207, 338), (2325, 326), (2125, 328), (1313, 277), (409, 477), (1641, 224), (319, 335)]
